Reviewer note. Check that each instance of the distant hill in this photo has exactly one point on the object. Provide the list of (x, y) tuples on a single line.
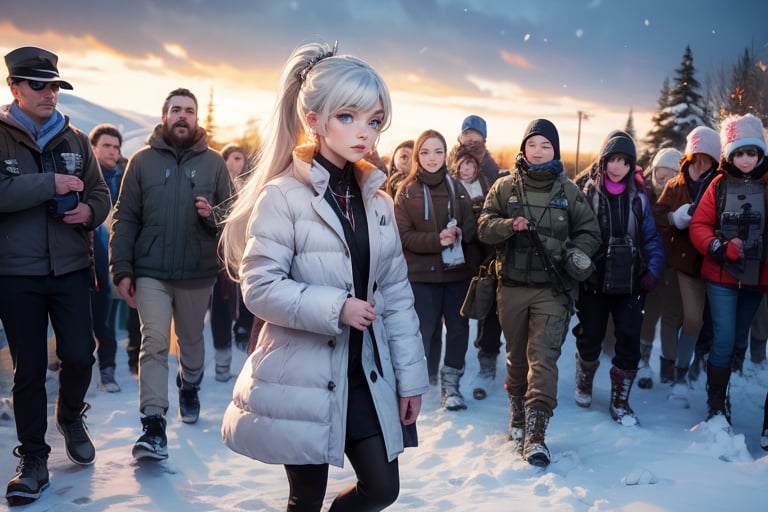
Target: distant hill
[(86, 115)]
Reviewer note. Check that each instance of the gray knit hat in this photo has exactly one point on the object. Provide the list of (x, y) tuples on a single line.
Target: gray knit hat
[(669, 158)]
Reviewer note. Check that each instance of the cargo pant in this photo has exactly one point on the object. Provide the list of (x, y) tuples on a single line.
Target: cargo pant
[(535, 323), (157, 301)]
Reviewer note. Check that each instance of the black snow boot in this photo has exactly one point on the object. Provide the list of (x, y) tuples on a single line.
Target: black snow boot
[(189, 401), (718, 402)]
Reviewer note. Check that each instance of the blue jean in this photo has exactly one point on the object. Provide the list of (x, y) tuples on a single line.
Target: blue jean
[(735, 308), (103, 308)]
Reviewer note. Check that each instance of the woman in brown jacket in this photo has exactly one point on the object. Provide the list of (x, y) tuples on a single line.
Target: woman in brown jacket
[(673, 212), (435, 220)]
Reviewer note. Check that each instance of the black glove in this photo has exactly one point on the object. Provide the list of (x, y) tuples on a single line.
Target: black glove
[(716, 249)]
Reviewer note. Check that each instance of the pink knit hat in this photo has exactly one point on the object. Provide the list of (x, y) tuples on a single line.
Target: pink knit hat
[(737, 132), (703, 139)]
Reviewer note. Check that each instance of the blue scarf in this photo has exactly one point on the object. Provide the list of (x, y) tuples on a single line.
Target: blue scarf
[(42, 134), (555, 167)]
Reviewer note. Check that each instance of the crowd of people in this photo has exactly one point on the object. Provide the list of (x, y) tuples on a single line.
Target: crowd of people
[(343, 275)]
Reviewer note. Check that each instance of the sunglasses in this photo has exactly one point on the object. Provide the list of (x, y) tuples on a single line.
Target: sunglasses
[(748, 152), (37, 85)]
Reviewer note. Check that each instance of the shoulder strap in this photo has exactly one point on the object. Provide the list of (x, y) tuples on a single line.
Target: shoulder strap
[(637, 208), (453, 210)]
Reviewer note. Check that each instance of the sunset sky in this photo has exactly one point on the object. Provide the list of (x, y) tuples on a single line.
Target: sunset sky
[(508, 61)]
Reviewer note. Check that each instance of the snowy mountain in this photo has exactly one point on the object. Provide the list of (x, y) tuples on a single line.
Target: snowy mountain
[(85, 116)]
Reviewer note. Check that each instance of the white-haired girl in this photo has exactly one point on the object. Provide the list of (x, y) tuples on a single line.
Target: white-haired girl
[(339, 365)]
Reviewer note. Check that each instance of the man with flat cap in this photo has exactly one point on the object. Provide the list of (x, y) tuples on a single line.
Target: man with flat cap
[(52, 194)]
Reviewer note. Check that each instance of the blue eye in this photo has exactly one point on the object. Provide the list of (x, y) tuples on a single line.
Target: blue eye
[(345, 118), (375, 123)]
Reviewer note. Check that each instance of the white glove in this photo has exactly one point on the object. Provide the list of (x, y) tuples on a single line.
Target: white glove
[(680, 217)]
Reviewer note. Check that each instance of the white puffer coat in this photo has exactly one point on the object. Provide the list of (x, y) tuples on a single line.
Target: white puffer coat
[(289, 403)]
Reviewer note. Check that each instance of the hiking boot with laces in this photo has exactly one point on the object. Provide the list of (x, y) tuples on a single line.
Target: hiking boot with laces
[(152, 444), (30, 480), (78, 442)]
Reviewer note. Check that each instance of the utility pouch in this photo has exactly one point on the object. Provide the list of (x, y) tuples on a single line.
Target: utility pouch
[(619, 267)]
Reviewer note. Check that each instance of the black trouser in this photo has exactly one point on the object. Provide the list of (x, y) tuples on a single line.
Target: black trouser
[(436, 303), (378, 481), (223, 304), (244, 321), (488, 339), (26, 303), (134, 337), (627, 311)]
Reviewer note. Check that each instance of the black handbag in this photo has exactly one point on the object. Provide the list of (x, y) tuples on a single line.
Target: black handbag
[(480, 294)]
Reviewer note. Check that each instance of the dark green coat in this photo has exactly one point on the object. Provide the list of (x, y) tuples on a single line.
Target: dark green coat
[(156, 231), (563, 220)]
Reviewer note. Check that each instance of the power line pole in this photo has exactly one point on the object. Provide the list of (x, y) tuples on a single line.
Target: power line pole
[(582, 115)]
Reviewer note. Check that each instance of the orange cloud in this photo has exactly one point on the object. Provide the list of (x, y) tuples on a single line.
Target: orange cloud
[(515, 59)]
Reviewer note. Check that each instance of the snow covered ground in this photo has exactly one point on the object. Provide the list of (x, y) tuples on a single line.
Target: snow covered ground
[(669, 462)]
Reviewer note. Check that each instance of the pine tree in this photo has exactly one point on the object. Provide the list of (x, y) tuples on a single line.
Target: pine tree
[(630, 127), (654, 139), (681, 109), (210, 125)]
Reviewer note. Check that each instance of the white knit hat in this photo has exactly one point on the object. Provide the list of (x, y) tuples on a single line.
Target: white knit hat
[(667, 157), (737, 132), (703, 139)]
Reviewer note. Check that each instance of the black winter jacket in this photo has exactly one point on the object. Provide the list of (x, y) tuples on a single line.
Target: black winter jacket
[(33, 243)]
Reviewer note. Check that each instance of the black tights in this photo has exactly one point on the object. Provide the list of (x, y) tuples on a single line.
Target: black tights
[(378, 481)]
